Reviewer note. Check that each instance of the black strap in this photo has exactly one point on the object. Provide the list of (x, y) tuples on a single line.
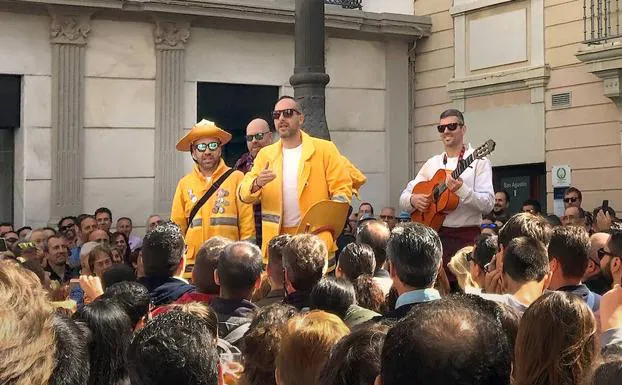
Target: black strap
[(208, 194)]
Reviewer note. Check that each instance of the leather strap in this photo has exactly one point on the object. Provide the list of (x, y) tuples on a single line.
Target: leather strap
[(208, 195)]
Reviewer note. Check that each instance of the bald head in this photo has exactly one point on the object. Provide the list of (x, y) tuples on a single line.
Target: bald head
[(597, 241), (258, 131), (375, 234)]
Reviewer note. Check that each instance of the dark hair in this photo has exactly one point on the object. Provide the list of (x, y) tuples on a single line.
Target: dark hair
[(22, 229), (34, 265), (609, 372), (125, 219), (615, 243), (569, 246), (367, 204), (72, 352), (375, 234), (525, 225), (275, 256), (553, 220), (453, 112), (262, 342), (536, 205), (526, 260), (127, 257), (118, 273), (132, 297), (63, 219), (369, 294), (333, 296), (355, 359), (504, 192), (206, 262), (103, 210), (239, 268), (486, 246), (174, 348), (83, 217), (111, 331), (574, 190), (444, 342), (415, 253), (357, 259), (163, 250), (96, 251)]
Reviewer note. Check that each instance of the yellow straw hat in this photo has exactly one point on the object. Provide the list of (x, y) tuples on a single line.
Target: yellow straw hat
[(203, 129)]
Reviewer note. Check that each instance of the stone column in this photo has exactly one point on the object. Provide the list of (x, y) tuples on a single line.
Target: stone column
[(68, 34), (170, 39)]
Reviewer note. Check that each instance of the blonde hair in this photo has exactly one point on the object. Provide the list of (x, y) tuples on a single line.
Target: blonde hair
[(459, 266), (306, 346), (27, 342)]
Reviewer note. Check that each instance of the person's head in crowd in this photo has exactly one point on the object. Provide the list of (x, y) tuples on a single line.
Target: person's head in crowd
[(375, 234), (459, 266), (574, 216), (111, 332), (445, 342), (136, 261), (532, 206), (484, 250), (568, 256), (611, 258), (597, 242), (275, 260), (103, 216), (355, 360), (304, 261), (27, 329), (572, 197), (163, 251), (56, 250), (117, 273), (100, 236), (116, 255), (27, 250), (608, 372), (502, 203), (48, 231), (262, 342), (526, 267), (87, 225), (11, 238), (369, 295), (353, 221), (356, 259), (553, 220), (596, 226), (125, 226), (157, 352), (238, 272), (24, 232), (387, 215), (557, 341), (121, 242), (305, 347), (133, 298), (153, 221), (490, 224), (5, 227), (365, 208), (85, 251), (523, 225), (414, 252), (206, 262), (35, 266), (201, 310), (38, 237), (332, 295), (72, 366), (258, 136), (68, 226), (100, 260)]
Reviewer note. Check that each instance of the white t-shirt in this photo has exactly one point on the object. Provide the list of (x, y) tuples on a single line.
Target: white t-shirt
[(291, 207)]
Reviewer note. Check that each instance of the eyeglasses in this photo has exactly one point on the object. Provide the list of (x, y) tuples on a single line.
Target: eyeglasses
[(65, 228), (202, 147), (287, 113), (489, 226), (387, 217), (259, 136), (450, 126), (571, 199), (602, 252), (11, 240)]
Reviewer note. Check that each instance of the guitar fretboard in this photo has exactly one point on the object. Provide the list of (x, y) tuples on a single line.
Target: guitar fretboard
[(462, 165)]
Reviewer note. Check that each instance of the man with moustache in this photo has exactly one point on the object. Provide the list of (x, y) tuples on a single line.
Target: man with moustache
[(258, 136), (611, 259), (594, 278), (210, 187), (502, 205)]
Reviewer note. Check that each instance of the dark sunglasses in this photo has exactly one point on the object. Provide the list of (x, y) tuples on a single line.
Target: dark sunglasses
[(202, 147), (387, 217), (602, 252), (65, 228), (257, 137), (451, 127), (288, 113), (489, 226), (571, 199)]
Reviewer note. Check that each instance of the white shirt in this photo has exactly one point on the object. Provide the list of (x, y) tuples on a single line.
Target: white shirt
[(477, 196), (291, 207)]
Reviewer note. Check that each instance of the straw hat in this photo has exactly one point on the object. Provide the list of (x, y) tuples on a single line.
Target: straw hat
[(203, 129), (323, 216)]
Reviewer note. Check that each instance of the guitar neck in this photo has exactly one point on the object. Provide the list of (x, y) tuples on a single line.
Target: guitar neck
[(462, 165)]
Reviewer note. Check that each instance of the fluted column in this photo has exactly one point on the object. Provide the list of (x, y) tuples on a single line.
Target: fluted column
[(170, 39), (68, 34)]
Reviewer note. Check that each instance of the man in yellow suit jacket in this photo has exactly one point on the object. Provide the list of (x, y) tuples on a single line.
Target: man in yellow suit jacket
[(293, 174), (223, 214)]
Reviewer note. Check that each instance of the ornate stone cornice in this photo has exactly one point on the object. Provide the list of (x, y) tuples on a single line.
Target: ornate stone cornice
[(69, 25), (171, 34)]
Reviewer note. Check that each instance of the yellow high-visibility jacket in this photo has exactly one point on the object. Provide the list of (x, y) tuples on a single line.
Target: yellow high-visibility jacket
[(358, 179), (322, 175), (222, 215)]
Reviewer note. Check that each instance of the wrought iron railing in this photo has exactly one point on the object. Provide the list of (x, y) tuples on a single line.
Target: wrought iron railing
[(349, 4), (601, 21)]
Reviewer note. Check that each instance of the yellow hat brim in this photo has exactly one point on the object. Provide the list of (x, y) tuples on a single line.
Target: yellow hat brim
[(203, 129), (325, 214)]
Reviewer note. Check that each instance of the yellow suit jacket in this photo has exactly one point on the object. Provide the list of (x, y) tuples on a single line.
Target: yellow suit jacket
[(358, 179), (222, 215), (322, 175)]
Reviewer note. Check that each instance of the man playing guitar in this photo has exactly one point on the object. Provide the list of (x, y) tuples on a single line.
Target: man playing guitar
[(474, 188)]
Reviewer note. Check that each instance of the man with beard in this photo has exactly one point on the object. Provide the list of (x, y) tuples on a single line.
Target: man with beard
[(205, 203), (502, 204), (593, 277), (68, 227), (611, 259)]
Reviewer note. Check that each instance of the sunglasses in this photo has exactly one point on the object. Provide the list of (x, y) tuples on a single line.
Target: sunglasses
[(571, 199), (202, 147), (288, 113), (602, 253), (26, 245), (65, 228), (489, 226), (450, 126), (257, 137), (386, 217)]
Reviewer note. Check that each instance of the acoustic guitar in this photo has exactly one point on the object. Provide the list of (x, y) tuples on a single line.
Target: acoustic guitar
[(443, 201)]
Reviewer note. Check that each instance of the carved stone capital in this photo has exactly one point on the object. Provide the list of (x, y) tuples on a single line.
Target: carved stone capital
[(69, 25), (171, 34)]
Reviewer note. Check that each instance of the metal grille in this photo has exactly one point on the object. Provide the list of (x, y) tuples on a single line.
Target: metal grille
[(562, 100), (348, 4), (601, 21)]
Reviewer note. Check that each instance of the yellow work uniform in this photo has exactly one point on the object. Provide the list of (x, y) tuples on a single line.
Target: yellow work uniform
[(322, 175), (222, 215), (358, 179)]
